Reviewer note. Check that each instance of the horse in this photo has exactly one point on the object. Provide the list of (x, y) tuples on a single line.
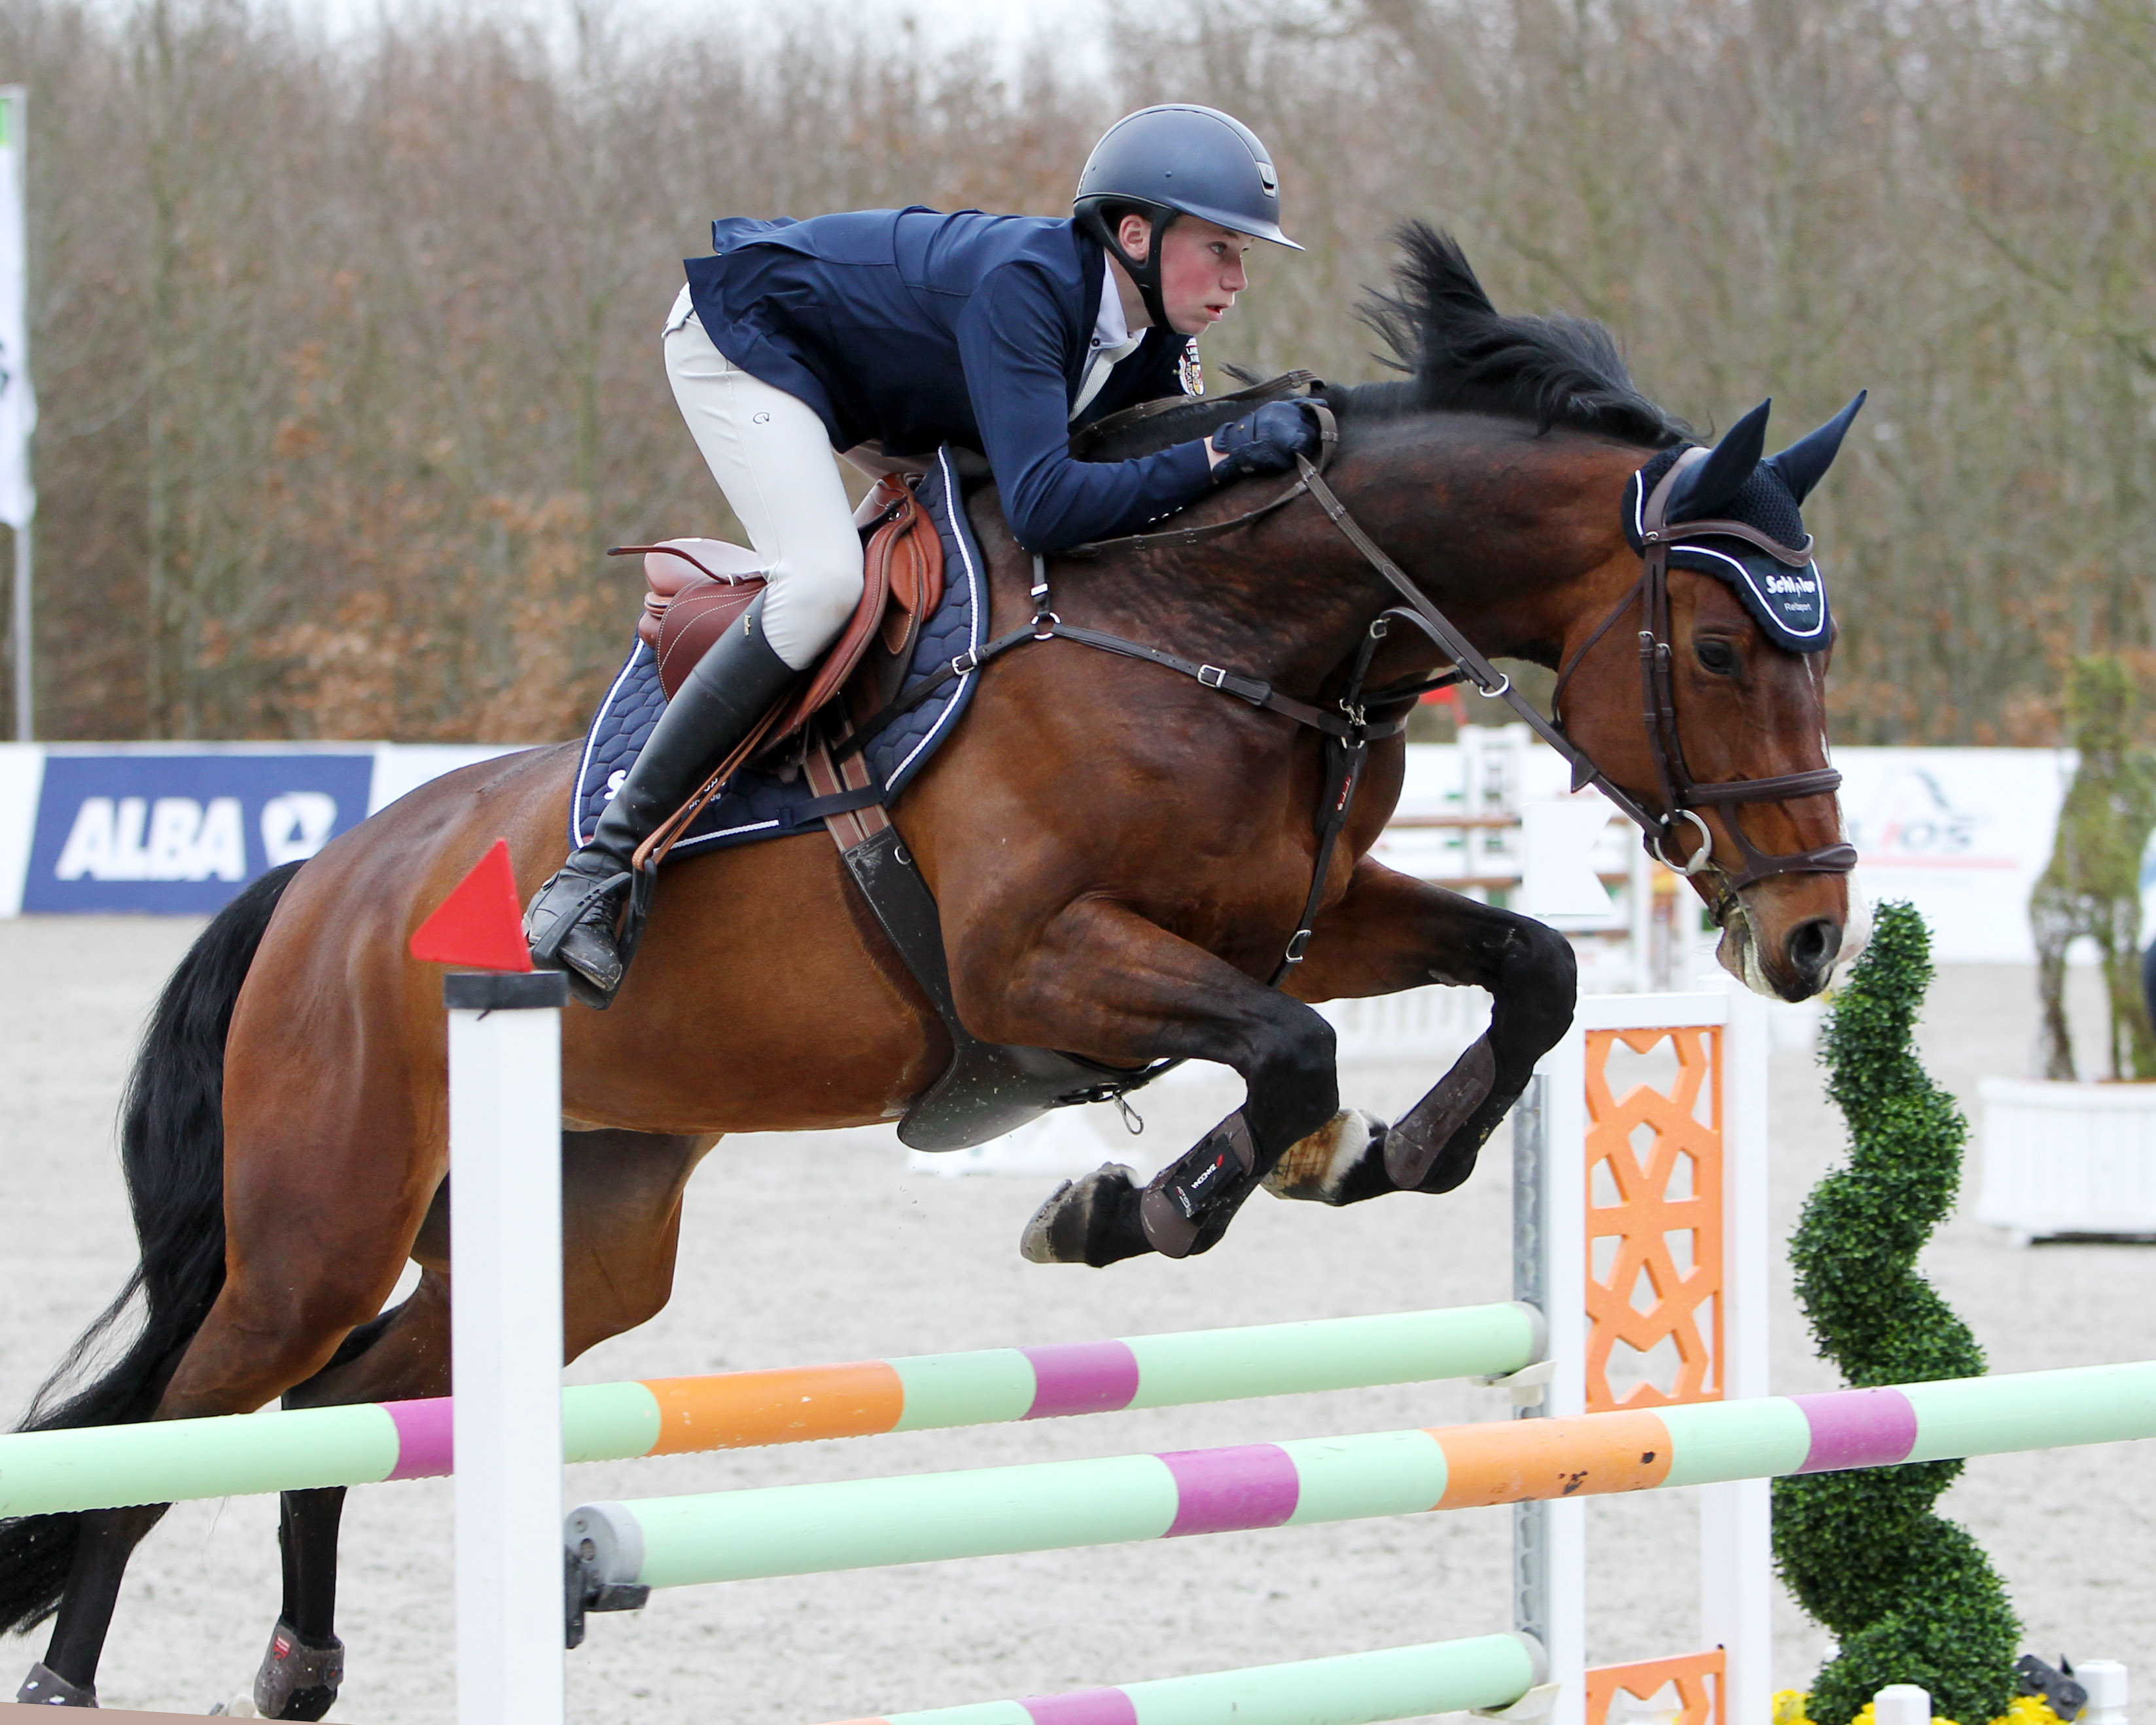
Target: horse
[(1119, 853)]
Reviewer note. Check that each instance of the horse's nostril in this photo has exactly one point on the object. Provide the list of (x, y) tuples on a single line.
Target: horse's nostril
[(1813, 946)]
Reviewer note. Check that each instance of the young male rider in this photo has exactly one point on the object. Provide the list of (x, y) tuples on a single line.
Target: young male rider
[(886, 333)]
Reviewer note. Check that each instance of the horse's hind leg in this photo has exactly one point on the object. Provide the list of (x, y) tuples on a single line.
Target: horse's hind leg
[(1390, 933), (304, 1666), (400, 1356), (104, 1541), (621, 1200), (282, 1311)]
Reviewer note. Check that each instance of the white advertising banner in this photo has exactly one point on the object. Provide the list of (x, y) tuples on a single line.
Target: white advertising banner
[(1961, 834), (19, 404)]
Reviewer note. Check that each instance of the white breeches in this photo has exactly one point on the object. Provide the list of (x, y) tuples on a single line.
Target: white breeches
[(772, 457)]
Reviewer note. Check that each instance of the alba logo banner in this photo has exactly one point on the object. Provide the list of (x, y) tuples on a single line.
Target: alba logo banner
[(176, 834)]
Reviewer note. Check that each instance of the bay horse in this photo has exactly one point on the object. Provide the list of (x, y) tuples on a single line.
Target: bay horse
[(1119, 855)]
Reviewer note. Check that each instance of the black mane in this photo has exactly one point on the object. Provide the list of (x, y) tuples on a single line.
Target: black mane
[(1462, 355)]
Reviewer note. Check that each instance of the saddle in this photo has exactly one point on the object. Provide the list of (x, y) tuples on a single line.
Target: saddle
[(696, 588)]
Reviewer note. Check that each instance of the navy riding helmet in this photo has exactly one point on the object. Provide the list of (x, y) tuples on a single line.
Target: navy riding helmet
[(1177, 159)]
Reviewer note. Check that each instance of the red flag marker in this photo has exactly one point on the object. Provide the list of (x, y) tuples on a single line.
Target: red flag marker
[(480, 923)]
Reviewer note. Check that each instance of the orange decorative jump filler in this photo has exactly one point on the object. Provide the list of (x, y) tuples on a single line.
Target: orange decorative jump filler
[(480, 924)]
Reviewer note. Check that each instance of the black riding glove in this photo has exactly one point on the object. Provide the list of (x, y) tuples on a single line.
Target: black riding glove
[(1266, 441)]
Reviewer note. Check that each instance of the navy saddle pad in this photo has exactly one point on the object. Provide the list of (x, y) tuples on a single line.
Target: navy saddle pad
[(760, 805)]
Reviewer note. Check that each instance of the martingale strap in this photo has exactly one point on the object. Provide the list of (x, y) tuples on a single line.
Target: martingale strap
[(1472, 667), (1348, 733)]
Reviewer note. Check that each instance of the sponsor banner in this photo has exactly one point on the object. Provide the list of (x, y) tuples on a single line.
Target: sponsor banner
[(1963, 834), (180, 833), (178, 830)]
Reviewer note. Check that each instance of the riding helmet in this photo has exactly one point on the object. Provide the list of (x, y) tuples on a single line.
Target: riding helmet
[(1177, 159)]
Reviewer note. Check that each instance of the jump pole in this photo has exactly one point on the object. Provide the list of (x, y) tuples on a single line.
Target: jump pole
[(1482, 1672), (505, 1061), (914, 1518), (105, 1467), (506, 1341)]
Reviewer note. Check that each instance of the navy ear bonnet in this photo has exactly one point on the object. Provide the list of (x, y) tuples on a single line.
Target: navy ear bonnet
[(1789, 601)]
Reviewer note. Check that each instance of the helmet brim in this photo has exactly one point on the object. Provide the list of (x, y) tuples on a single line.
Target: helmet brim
[(1235, 224)]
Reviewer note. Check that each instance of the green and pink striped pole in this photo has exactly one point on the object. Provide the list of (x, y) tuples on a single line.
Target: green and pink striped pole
[(1350, 1689), (108, 1466), (856, 1524)]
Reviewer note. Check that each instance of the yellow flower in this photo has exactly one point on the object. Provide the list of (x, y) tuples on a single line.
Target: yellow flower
[(2022, 1710)]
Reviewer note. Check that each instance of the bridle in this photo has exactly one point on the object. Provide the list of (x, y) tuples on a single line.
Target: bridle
[(1681, 794)]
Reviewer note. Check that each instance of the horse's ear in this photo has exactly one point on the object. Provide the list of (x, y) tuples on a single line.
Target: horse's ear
[(1712, 486), (1805, 463)]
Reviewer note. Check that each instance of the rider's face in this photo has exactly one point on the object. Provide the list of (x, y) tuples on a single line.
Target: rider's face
[(1201, 269)]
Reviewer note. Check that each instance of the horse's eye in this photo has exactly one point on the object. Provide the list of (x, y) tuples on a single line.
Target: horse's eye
[(1718, 656)]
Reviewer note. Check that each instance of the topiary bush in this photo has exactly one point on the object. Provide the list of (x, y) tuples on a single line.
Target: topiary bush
[(1911, 1598)]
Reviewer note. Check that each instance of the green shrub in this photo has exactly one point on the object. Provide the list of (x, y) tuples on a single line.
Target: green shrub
[(1911, 1598)]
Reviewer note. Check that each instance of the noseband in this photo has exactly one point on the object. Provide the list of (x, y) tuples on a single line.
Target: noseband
[(1681, 794)]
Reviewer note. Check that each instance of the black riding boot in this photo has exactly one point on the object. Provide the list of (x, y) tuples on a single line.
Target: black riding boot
[(576, 921)]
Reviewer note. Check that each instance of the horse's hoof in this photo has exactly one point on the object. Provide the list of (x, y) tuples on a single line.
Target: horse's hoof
[(240, 1706), (298, 1680), (1414, 1148), (1319, 1168), (1086, 1221), (45, 1687)]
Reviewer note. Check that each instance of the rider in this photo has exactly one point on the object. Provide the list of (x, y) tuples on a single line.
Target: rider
[(886, 333)]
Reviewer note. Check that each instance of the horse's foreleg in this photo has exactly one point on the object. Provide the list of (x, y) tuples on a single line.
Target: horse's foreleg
[(1101, 981), (1390, 933)]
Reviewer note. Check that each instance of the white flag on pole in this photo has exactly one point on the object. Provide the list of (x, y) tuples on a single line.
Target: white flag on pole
[(18, 403)]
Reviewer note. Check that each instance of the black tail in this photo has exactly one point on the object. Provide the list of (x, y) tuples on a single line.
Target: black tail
[(172, 1147)]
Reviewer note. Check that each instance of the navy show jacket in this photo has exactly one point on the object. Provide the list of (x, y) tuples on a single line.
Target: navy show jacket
[(909, 329)]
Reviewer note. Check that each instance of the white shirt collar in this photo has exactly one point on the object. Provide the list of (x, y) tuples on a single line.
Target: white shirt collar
[(1112, 342), (1111, 329)]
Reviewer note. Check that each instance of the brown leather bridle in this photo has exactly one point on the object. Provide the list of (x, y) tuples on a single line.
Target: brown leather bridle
[(1681, 794)]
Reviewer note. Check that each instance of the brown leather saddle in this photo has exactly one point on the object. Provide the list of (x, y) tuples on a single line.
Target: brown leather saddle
[(696, 588)]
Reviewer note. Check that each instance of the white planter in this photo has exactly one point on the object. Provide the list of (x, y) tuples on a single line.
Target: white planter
[(2068, 1158)]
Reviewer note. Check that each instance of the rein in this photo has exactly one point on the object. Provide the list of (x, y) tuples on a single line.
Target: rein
[(1348, 733)]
